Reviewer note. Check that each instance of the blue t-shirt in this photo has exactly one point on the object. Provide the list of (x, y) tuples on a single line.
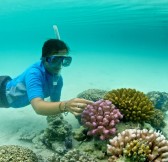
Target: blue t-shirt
[(34, 82)]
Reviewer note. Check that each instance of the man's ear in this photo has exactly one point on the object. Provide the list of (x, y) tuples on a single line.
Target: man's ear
[(45, 63)]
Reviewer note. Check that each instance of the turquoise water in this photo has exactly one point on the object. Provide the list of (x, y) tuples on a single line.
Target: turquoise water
[(126, 40), (114, 44)]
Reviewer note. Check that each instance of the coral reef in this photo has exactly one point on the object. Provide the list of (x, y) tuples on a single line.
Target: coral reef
[(80, 134), (58, 130), (134, 105), (92, 146), (144, 145), (159, 99), (100, 145), (72, 156), (27, 133), (157, 119), (92, 94), (95, 148), (14, 153), (101, 118), (75, 155), (57, 136), (121, 126), (68, 143)]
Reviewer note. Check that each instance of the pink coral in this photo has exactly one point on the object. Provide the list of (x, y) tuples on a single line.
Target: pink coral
[(101, 118), (155, 141)]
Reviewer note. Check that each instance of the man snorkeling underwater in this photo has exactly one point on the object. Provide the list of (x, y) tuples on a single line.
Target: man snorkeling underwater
[(42, 80)]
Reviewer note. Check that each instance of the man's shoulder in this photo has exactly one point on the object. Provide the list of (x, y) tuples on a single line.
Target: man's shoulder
[(36, 67)]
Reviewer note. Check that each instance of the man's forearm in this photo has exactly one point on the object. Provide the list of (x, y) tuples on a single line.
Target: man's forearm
[(47, 108)]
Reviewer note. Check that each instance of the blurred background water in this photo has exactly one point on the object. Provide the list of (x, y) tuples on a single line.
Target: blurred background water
[(126, 40)]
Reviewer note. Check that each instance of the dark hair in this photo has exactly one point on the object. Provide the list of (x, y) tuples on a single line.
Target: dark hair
[(53, 45)]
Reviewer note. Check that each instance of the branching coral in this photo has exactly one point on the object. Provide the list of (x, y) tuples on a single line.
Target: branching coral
[(137, 150), (134, 105), (101, 118), (152, 146)]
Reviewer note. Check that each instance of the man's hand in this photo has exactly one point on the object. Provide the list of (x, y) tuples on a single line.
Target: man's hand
[(77, 105)]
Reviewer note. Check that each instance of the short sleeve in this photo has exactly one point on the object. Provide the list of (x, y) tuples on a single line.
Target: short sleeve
[(34, 84)]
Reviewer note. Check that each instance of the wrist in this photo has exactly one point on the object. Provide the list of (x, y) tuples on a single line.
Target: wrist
[(63, 107), (60, 107)]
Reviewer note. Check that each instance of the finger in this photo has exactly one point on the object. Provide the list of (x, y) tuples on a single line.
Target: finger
[(78, 110), (81, 105), (76, 114)]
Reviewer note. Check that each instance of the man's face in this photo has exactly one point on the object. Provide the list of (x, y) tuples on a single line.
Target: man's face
[(54, 62)]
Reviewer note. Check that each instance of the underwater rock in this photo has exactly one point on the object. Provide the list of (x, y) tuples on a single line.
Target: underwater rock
[(77, 156), (74, 155), (59, 147), (58, 130), (95, 148), (100, 145), (92, 94), (14, 153), (121, 126), (157, 119), (27, 134), (159, 99), (51, 157), (68, 143), (80, 134)]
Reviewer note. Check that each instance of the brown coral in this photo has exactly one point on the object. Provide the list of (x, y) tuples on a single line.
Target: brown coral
[(154, 144), (14, 153), (133, 104)]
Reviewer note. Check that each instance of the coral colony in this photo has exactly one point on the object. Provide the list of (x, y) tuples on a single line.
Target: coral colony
[(101, 118), (133, 104), (139, 145)]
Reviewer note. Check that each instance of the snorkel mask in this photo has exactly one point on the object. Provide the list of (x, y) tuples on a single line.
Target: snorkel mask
[(60, 58), (57, 60)]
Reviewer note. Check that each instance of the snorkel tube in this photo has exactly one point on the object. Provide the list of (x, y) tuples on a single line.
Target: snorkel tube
[(56, 76), (56, 31)]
